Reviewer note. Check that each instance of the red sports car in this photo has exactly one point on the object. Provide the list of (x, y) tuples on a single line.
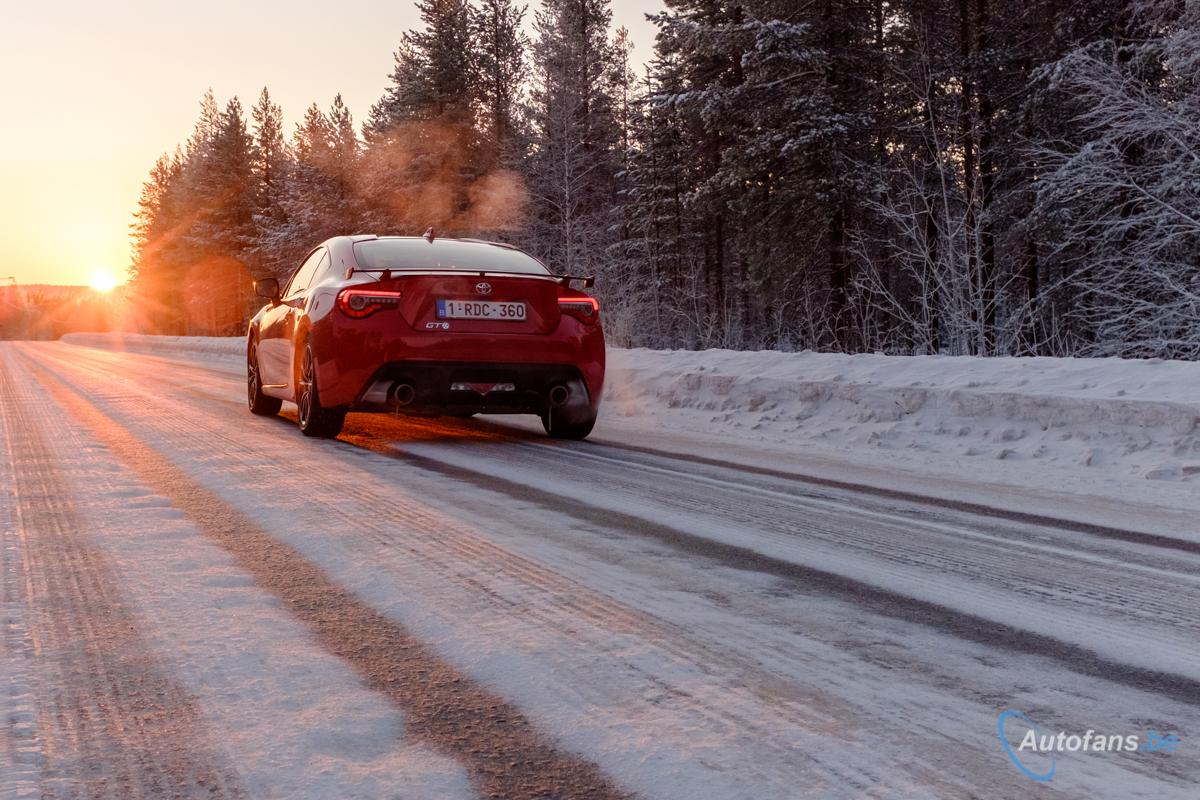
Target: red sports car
[(426, 326)]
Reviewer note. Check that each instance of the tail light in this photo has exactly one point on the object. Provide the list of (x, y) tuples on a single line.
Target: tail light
[(584, 309), (360, 303)]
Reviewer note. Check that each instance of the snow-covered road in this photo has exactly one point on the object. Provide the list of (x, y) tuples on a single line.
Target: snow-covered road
[(202, 603)]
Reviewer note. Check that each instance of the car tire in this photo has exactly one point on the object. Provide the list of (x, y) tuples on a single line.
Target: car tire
[(315, 420), (557, 429), (261, 404)]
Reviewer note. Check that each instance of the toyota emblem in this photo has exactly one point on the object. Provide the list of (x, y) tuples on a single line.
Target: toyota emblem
[(483, 287)]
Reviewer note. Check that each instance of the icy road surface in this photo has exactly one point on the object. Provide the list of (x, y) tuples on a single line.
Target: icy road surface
[(202, 603)]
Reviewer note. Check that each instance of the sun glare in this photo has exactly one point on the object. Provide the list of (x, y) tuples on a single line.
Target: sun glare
[(103, 280)]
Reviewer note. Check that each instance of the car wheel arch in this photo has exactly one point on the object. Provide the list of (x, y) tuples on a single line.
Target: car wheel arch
[(302, 338)]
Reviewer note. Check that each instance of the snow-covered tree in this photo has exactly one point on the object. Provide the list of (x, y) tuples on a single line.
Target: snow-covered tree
[(320, 194), (427, 161), (740, 92), (157, 230), (572, 169), (271, 164), (501, 47), (435, 73), (901, 175), (1125, 195), (270, 156)]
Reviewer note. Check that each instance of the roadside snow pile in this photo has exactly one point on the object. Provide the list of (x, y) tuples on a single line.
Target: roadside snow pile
[(161, 345), (1139, 418), (1136, 417)]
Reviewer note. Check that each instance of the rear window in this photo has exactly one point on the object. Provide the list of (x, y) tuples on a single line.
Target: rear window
[(421, 254)]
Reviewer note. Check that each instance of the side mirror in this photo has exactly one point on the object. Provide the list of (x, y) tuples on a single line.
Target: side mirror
[(267, 288)]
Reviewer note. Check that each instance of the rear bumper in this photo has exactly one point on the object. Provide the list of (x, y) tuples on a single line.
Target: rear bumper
[(433, 388), (352, 358)]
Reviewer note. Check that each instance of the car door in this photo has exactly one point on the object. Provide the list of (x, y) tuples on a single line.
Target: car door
[(278, 328)]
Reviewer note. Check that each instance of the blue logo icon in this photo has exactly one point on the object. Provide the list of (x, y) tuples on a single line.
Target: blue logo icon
[(1041, 777)]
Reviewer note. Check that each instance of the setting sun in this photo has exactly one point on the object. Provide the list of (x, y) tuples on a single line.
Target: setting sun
[(103, 280)]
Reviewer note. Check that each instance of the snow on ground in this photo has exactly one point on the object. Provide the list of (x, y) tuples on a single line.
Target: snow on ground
[(218, 346), (251, 665), (680, 674), (234, 647), (1119, 417)]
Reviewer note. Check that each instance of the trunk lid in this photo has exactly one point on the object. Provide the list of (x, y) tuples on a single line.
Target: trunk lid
[(474, 303)]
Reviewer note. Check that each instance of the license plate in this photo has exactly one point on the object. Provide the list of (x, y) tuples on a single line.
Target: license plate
[(481, 309)]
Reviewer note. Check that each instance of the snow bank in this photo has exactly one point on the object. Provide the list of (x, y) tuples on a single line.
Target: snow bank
[(1134, 417), (1140, 417), (161, 345)]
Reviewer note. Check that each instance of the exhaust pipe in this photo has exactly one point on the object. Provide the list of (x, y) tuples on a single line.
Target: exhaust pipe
[(557, 396), (403, 394)]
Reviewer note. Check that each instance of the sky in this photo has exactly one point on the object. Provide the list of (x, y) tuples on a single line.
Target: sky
[(93, 92)]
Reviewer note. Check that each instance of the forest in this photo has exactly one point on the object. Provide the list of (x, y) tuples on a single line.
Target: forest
[(909, 176)]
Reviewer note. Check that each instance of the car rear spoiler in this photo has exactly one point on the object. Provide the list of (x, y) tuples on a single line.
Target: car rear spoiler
[(563, 280)]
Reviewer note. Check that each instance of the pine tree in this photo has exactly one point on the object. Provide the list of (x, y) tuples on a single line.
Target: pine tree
[(269, 154), (321, 196), (950, 248), (955, 176), (223, 188), (223, 185), (194, 228), (501, 48), (158, 224), (271, 164), (434, 78), (205, 129), (572, 170), (748, 93), (426, 161), (660, 237)]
